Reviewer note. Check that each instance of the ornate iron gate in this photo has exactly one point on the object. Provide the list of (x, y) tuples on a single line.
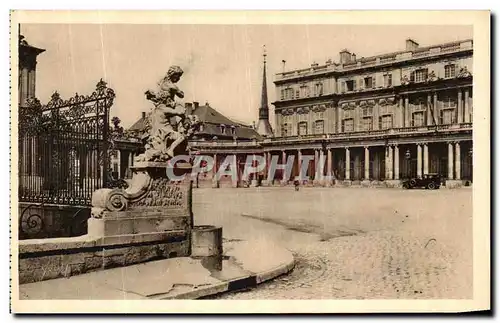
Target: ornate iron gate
[(63, 148)]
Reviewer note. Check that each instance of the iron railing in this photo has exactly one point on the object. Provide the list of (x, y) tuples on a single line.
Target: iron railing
[(63, 148)]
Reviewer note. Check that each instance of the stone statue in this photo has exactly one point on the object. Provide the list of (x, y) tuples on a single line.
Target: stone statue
[(168, 125)]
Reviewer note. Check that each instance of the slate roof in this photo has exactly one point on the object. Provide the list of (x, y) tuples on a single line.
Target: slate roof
[(212, 121)]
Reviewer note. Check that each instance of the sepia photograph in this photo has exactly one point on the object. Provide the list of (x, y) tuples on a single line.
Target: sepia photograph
[(292, 161)]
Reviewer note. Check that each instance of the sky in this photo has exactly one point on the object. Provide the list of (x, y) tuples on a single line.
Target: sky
[(222, 63)]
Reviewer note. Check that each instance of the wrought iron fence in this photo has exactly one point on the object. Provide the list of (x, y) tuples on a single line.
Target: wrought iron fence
[(63, 147)]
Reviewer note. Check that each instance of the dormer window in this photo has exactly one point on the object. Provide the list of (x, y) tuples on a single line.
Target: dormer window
[(368, 82), (318, 89), (350, 85), (233, 130), (419, 75), (223, 129), (450, 71)]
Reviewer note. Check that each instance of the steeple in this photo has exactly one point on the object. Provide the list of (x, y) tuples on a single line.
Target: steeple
[(263, 125)]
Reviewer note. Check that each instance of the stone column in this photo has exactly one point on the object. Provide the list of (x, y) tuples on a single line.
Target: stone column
[(396, 162), (215, 180), (24, 87), (460, 111), (119, 162), (428, 110), (32, 83), (299, 162), (407, 110), (419, 160), (435, 102), (466, 106), (321, 165), (329, 162), (283, 161), (235, 180), (391, 164), (450, 160), (367, 163), (457, 161), (347, 164), (426, 159), (339, 119), (267, 156), (316, 164), (253, 182), (403, 112)]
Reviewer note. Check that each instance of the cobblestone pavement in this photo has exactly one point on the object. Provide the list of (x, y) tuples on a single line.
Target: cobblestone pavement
[(352, 243)]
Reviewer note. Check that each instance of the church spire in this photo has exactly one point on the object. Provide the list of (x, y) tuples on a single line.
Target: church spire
[(263, 126)]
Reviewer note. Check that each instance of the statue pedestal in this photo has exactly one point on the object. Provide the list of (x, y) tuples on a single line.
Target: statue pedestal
[(153, 207)]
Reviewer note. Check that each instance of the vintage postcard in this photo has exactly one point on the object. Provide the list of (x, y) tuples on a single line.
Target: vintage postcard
[(250, 162)]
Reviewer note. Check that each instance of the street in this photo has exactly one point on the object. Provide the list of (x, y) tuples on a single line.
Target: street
[(352, 243)]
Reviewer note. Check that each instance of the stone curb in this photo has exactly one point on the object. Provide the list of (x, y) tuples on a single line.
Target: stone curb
[(236, 284)]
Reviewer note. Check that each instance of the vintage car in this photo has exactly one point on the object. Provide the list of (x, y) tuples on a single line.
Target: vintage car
[(429, 181)]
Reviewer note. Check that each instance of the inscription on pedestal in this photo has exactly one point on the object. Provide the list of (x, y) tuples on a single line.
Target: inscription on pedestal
[(163, 193)]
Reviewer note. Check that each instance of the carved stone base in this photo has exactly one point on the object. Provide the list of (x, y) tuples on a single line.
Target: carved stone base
[(152, 203)]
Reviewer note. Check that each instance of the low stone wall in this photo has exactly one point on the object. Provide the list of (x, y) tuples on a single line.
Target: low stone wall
[(44, 259), (38, 221)]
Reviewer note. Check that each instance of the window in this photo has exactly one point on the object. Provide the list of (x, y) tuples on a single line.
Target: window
[(419, 104), (419, 75), (348, 125), (222, 128), (318, 89), (385, 109), (385, 122), (318, 115), (449, 102), (367, 123), (233, 130), (387, 80), (348, 113), (319, 127), (302, 128), (417, 119), (450, 70), (447, 116), (115, 168), (287, 94), (367, 111), (351, 85), (286, 129), (304, 91), (303, 117), (297, 94), (368, 82)]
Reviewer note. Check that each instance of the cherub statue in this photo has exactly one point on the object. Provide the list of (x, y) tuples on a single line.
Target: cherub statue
[(168, 119)]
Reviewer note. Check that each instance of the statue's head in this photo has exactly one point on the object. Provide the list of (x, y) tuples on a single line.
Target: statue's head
[(174, 73)]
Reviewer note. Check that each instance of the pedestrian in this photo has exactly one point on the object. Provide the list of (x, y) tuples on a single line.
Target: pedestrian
[(296, 183)]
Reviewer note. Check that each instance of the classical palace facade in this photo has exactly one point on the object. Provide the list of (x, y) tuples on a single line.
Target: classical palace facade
[(375, 120)]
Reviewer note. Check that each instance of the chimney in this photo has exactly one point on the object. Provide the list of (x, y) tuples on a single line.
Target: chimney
[(196, 104), (345, 56), (189, 107), (143, 115), (411, 44), (353, 57)]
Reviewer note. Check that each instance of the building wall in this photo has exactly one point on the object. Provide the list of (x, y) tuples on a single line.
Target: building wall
[(355, 83)]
